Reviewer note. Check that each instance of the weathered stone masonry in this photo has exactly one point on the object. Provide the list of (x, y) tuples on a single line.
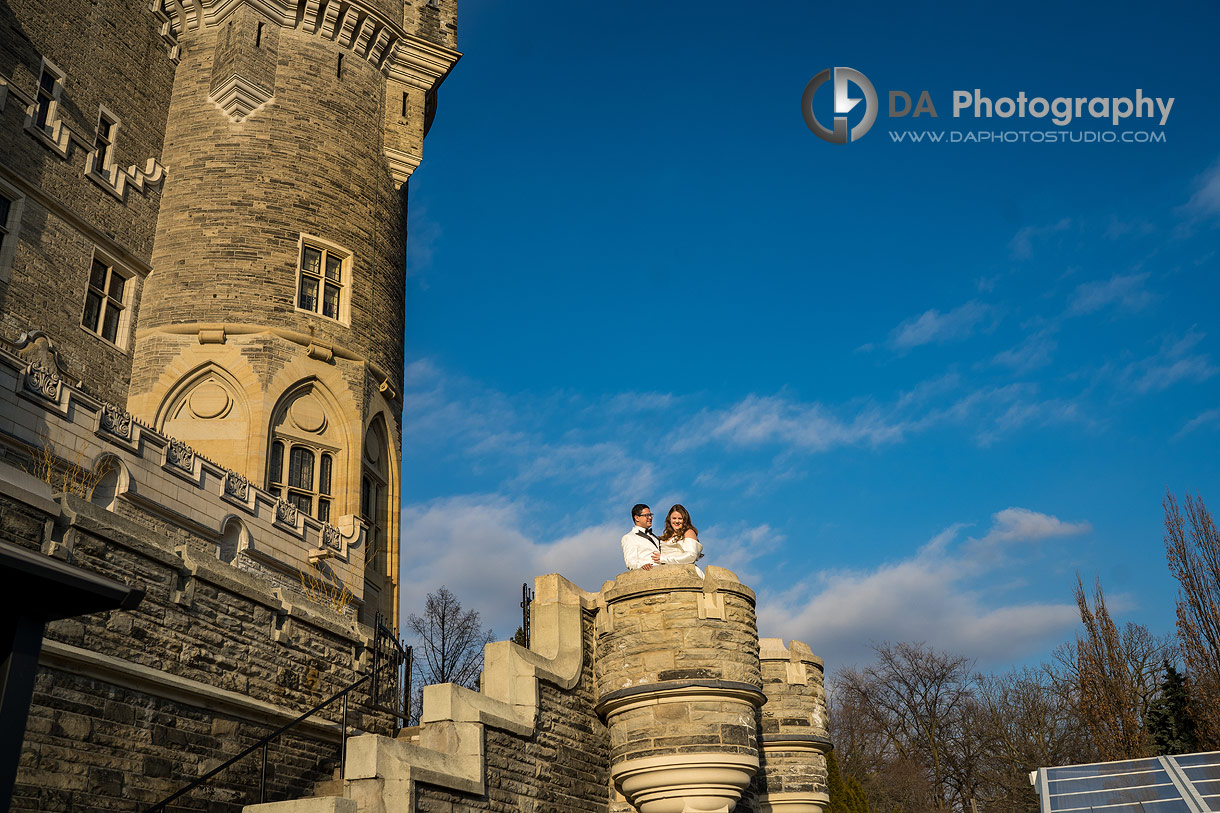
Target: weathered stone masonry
[(651, 695)]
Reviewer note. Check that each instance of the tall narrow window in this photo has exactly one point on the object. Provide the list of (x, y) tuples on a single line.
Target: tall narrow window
[(322, 281), (300, 479), (48, 82), (103, 143), (324, 466), (275, 478), (6, 208), (105, 301)]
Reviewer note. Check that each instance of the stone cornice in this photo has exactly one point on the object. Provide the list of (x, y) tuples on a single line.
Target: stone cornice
[(796, 742), (420, 63), (357, 26), (678, 691)]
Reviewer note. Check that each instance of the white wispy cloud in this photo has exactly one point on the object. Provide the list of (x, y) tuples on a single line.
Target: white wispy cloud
[(757, 420), (932, 326), (813, 427), (936, 595), (1022, 243), (1035, 350), (1023, 525), (483, 547), (1125, 292), (1207, 418), (1175, 362), (1205, 201)]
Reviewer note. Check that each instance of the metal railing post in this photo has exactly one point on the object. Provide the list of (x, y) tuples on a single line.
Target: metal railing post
[(262, 782)]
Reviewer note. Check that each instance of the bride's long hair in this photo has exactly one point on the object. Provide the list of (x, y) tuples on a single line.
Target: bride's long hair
[(686, 524)]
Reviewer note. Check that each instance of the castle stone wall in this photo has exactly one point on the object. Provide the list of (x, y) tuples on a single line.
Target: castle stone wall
[(131, 706), (111, 55)]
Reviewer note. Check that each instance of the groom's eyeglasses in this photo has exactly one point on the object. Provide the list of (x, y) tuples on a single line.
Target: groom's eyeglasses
[(646, 515)]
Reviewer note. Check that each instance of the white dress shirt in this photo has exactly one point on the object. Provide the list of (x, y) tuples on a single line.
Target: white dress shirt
[(639, 545), (638, 548)]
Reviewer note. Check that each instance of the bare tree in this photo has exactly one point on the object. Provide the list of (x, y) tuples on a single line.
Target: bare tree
[(1113, 676), (1195, 563), (915, 701), (449, 646), (1026, 724)]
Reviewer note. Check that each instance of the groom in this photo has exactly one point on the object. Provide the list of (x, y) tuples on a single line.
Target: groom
[(641, 548)]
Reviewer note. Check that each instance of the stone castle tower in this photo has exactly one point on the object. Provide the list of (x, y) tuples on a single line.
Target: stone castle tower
[(204, 210), (270, 333), (202, 273)]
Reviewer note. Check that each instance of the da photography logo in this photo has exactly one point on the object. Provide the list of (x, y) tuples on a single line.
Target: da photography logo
[(843, 104)]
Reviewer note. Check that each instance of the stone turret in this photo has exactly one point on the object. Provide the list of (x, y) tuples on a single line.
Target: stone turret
[(270, 335), (792, 730), (679, 686)]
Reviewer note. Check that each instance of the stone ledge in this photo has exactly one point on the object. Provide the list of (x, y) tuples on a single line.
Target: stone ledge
[(28, 489), (673, 579), (678, 691), (812, 802), (79, 661), (797, 741)]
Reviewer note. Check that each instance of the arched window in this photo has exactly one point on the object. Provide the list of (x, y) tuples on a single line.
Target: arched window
[(301, 464)]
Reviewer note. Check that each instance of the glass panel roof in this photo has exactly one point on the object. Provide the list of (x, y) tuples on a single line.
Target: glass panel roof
[(1103, 768), (1198, 773), (1087, 783), (1189, 783), (1114, 796)]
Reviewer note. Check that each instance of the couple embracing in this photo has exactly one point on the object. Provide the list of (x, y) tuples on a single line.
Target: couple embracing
[(677, 545)]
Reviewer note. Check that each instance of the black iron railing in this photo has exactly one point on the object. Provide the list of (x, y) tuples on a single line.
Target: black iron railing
[(391, 673), (527, 597)]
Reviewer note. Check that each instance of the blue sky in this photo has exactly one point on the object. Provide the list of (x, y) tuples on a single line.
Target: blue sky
[(907, 391)]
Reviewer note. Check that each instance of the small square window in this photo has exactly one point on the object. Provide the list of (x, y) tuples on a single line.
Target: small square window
[(105, 301), (322, 281)]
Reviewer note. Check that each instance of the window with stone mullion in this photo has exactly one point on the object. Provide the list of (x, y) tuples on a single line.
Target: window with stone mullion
[(321, 283), (300, 488), (104, 301)]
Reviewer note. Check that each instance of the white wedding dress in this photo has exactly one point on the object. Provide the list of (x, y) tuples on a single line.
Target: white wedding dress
[(681, 551)]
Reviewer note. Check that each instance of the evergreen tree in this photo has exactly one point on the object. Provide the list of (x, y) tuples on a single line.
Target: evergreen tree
[(846, 794), (1170, 725)]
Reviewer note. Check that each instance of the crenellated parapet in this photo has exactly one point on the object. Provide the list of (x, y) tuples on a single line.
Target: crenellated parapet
[(792, 735)]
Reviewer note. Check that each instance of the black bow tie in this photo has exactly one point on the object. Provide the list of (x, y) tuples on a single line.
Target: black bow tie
[(648, 533)]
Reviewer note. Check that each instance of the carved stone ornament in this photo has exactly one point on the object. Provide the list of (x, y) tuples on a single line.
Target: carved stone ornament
[(330, 536), (116, 421), (42, 381), (237, 486), (180, 455), (285, 512)]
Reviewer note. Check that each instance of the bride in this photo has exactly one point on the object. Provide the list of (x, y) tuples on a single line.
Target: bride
[(680, 541)]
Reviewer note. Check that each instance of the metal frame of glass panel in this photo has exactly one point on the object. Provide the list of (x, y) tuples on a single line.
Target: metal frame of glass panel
[(1187, 783)]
